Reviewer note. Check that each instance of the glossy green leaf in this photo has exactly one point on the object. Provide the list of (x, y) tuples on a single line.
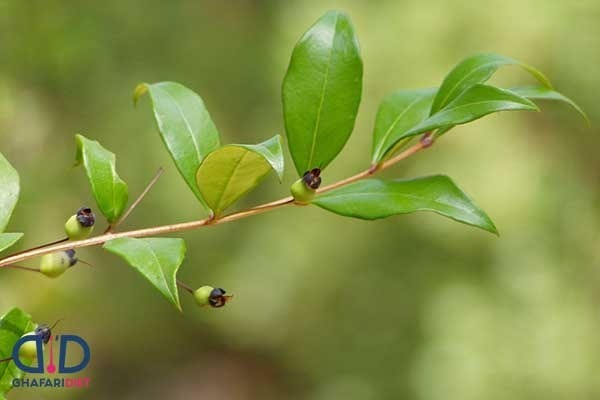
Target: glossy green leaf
[(398, 113), (373, 199), (476, 69), (474, 103), (230, 172), (108, 188), (544, 93), (184, 125), (157, 259), (9, 239), (9, 191), (321, 91), (13, 325)]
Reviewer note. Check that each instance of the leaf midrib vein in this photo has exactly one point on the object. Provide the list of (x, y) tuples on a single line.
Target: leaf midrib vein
[(187, 124), (320, 109), (394, 195), (389, 131), (230, 178)]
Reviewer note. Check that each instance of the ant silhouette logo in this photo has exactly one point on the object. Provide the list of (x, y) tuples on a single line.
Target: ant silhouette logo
[(33, 346)]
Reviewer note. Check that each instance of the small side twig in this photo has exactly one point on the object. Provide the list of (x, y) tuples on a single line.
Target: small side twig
[(137, 201), (21, 268), (185, 287)]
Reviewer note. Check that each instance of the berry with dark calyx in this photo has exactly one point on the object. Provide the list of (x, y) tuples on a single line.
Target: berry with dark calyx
[(54, 264), (304, 189), (80, 225), (210, 296)]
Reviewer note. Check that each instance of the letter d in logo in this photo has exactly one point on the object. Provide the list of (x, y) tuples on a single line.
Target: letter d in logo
[(39, 369), (64, 340)]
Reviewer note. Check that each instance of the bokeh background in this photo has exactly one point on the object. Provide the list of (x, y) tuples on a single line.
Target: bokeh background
[(412, 307)]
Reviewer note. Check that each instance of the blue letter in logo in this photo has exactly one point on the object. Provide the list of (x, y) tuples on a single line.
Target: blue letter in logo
[(40, 354), (62, 368)]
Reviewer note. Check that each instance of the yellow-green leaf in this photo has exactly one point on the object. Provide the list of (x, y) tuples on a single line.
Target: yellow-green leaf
[(544, 93), (230, 172)]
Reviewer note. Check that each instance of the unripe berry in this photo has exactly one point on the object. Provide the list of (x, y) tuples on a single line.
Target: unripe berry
[(208, 295), (28, 350), (304, 189), (54, 264), (302, 193), (202, 295), (80, 225)]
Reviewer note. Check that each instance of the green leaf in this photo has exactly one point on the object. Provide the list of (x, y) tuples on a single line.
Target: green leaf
[(373, 198), (13, 325), (544, 93), (230, 172), (321, 91), (476, 69), (9, 191), (8, 239), (184, 125), (109, 190), (157, 259), (397, 114), (474, 103)]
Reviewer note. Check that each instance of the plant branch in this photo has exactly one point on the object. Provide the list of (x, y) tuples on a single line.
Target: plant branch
[(425, 142), (137, 201), (420, 145), (185, 287), (21, 268)]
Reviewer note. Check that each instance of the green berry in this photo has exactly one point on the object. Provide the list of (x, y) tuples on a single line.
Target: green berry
[(80, 225), (304, 189), (214, 297), (202, 295), (301, 192), (55, 264), (28, 350)]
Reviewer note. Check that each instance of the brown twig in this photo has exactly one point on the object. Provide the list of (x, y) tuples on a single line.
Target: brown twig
[(21, 268), (425, 142), (185, 287)]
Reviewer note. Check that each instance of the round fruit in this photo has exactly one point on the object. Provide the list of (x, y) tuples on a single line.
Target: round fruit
[(80, 225), (301, 192), (54, 264), (202, 295)]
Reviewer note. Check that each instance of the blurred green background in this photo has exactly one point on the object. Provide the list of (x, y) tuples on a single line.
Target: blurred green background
[(413, 307)]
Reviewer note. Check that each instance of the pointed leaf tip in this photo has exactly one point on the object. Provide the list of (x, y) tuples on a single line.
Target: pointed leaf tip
[(544, 93), (321, 91), (185, 127), (110, 191), (157, 259), (374, 198)]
